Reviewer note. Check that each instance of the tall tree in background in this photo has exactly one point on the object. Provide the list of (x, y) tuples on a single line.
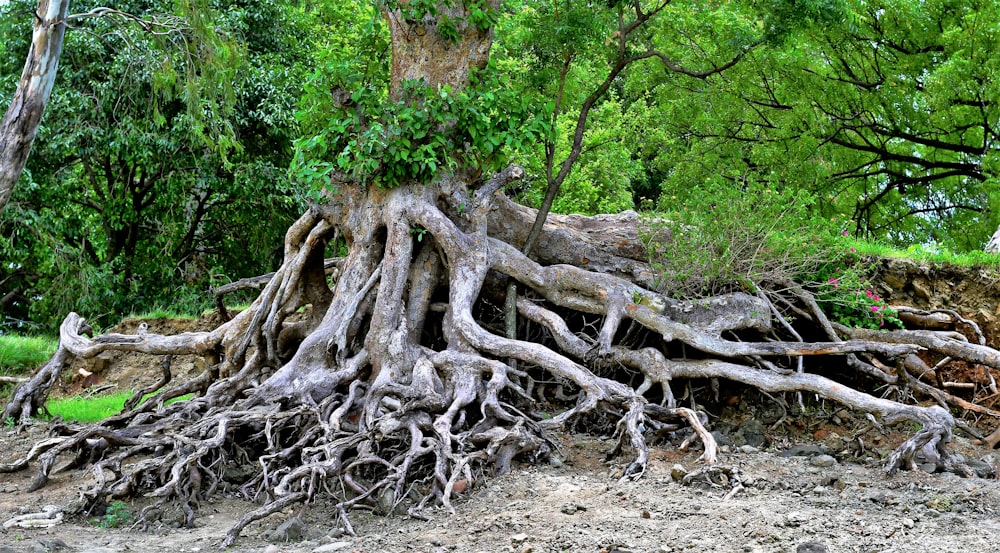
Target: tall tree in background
[(20, 123), (888, 115), (144, 172)]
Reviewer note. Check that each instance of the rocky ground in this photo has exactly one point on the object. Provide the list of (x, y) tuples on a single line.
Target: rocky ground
[(802, 497)]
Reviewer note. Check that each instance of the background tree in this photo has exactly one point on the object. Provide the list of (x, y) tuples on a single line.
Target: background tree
[(20, 123), (886, 115), (141, 178)]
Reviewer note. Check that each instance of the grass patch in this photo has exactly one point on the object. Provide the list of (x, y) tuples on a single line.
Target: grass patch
[(20, 354), (929, 254), (93, 409)]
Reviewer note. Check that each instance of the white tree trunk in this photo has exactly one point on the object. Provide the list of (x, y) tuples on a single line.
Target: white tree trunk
[(993, 246), (20, 124)]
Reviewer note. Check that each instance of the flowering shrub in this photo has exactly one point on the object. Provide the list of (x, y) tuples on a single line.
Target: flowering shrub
[(846, 294)]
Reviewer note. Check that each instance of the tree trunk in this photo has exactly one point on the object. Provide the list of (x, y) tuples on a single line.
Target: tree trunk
[(20, 124)]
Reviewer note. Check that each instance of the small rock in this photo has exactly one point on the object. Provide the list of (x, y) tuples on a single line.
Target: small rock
[(678, 472), (330, 547), (819, 490), (804, 450), (823, 461), (908, 522), (572, 508), (929, 468), (518, 538), (292, 529), (749, 449), (54, 544), (271, 549), (811, 546)]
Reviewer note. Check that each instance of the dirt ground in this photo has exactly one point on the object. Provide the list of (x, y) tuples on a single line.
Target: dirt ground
[(574, 503)]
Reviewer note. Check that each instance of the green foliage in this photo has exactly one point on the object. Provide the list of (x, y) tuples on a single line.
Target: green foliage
[(20, 354), (387, 143), (881, 109), (477, 12), (161, 169), (117, 515)]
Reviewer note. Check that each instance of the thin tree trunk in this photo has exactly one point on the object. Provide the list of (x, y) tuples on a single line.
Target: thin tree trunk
[(20, 123)]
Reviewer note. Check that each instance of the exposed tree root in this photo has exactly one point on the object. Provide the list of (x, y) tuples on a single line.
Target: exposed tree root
[(392, 392)]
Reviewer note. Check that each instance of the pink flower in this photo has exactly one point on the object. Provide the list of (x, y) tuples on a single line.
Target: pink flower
[(874, 309), (852, 249), (845, 233)]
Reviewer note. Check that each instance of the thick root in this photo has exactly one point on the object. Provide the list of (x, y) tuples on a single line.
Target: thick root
[(385, 397)]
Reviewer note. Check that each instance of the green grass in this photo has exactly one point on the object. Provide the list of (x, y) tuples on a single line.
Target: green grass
[(928, 254), (21, 354), (93, 409)]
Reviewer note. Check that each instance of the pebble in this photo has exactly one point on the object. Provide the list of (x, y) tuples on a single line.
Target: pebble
[(518, 538), (811, 547), (271, 549), (572, 508), (749, 449), (908, 522), (823, 461), (678, 472)]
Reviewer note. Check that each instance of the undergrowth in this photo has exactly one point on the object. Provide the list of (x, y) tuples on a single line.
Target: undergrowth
[(710, 240)]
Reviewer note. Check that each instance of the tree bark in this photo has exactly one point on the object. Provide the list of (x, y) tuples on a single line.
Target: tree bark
[(20, 124)]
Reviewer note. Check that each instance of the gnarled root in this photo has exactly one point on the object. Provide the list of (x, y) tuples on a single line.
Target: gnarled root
[(393, 392)]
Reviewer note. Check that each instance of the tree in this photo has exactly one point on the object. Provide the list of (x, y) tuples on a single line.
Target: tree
[(886, 112), (139, 175), (393, 381), (20, 122)]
